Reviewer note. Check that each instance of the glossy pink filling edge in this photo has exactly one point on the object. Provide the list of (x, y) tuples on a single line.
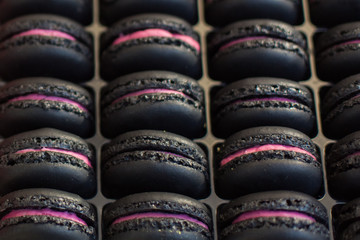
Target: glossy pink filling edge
[(44, 149), (150, 91), (263, 148), (160, 215), (277, 99), (44, 212), (229, 44), (356, 41), (266, 214), (44, 32), (38, 97), (155, 32)]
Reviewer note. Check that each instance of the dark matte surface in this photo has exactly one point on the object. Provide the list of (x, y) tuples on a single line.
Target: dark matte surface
[(41, 226), (149, 227), (223, 12), (234, 109), (343, 168), (347, 221), (159, 111), (43, 55), (333, 12), (142, 161), (28, 115), (281, 53), (337, 56), (112, 11), (46, 169), (341, 108), (151, 53), (274, 228), (268, 170), (78, 10)]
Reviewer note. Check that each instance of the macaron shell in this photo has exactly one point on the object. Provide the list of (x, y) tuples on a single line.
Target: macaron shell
[(46, 226), (42, 231), (177, 108), (268, 170), (340, 108), (43, 55), (150, 53), (255, 57), (274, 227), (78, 10), (157, 228), (149, 161), (48, 169), (111, 12), (257, 102), (342, 167), (223, 12), (338, 52), (333, 12), (23, 114)]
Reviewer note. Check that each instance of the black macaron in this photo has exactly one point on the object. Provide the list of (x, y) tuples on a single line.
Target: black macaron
[(266, 159), (258, 48), (329, 13), (273, 216), (341, 108), (153, 100), (257, 102), (338, 52), (45, 46), (114, 10), (156, 215), (46, 214), (78, 10), (346, 220), (47, 158), (147, 160), (150, 42), (223, 12), (32, 103), (343, 168)]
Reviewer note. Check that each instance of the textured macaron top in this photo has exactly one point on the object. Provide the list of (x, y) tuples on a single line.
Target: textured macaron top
[(70, 95), (274, 201), (348, 214), (338, 37), (166, 24), (138, 84), (150, 140), (55, 30), (258, 89), (261, 30), (50, 205), (169, 204), (285, 142), (339, 94), (276, 213), (47, 141)]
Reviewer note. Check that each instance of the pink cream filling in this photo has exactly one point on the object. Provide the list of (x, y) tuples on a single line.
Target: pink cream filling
[(357, 41), (44, 212), (150, 91), (44, 32), (47, 98), (266, 214), (44, 149), (157, 33), (160, 215), (229, 44), (278, 99), (263, 148)]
